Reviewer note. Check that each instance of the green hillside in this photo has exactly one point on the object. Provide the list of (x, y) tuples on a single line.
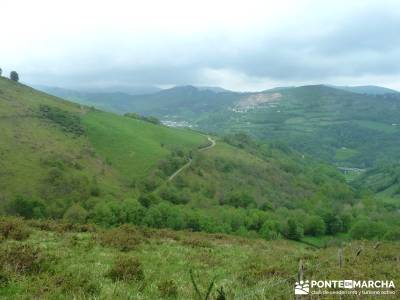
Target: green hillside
[(54, 149), (134, 147), (383, 180), (36, 146), (347, 129), (62, 160)]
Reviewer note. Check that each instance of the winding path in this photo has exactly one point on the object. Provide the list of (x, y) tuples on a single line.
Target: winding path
[(213, 143)]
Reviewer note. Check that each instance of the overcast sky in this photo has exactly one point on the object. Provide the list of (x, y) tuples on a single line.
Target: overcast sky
[(239, 45)]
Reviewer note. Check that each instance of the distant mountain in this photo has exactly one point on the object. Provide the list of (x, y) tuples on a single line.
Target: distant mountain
[(179, 100), (367, 89), (215, 89), (125, 89), (350, 129), (345, 128)]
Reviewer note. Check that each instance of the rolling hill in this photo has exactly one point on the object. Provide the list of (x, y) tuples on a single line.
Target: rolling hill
[(53, 148), (348, 126), (59, 157), (367, 89), (340, 127)]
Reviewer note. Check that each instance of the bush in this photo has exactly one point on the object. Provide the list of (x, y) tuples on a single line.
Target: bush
[(13, 228), (78, 282), (168, 289), (68, 121), (27, 207), (126, 268), (124, 238), (76, 214), (23, 258)]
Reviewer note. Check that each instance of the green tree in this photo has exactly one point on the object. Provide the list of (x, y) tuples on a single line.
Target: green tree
[(14, 76), (269, 230), (102, 214), (366, 229), (76, 214), (293, 230), (315, 225), (27, 207), (333, 223)]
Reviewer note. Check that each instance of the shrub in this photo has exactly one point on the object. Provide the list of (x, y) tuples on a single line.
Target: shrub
[(168, 289), (13, 228), (124, 238), (76, 214), (23, 258), (126, 268), (68, 121), (27, 207), (77, 282)]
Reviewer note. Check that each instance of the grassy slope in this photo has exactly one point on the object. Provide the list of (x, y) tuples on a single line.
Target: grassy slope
[(28, 142), (132, 146), (247, 269), (30, 145)]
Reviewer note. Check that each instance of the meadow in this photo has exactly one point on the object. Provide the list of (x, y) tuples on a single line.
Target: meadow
[(50, 260)]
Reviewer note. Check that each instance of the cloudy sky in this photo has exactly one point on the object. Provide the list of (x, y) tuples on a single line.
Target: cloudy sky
[(239, 45)]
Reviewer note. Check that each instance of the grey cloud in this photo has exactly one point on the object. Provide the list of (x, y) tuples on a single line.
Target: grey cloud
[(366, 41)]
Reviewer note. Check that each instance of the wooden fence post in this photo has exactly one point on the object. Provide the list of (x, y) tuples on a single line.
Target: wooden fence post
[(300, 275)]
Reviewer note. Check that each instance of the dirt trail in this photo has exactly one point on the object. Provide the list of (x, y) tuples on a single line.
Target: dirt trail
[(213, 143)]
